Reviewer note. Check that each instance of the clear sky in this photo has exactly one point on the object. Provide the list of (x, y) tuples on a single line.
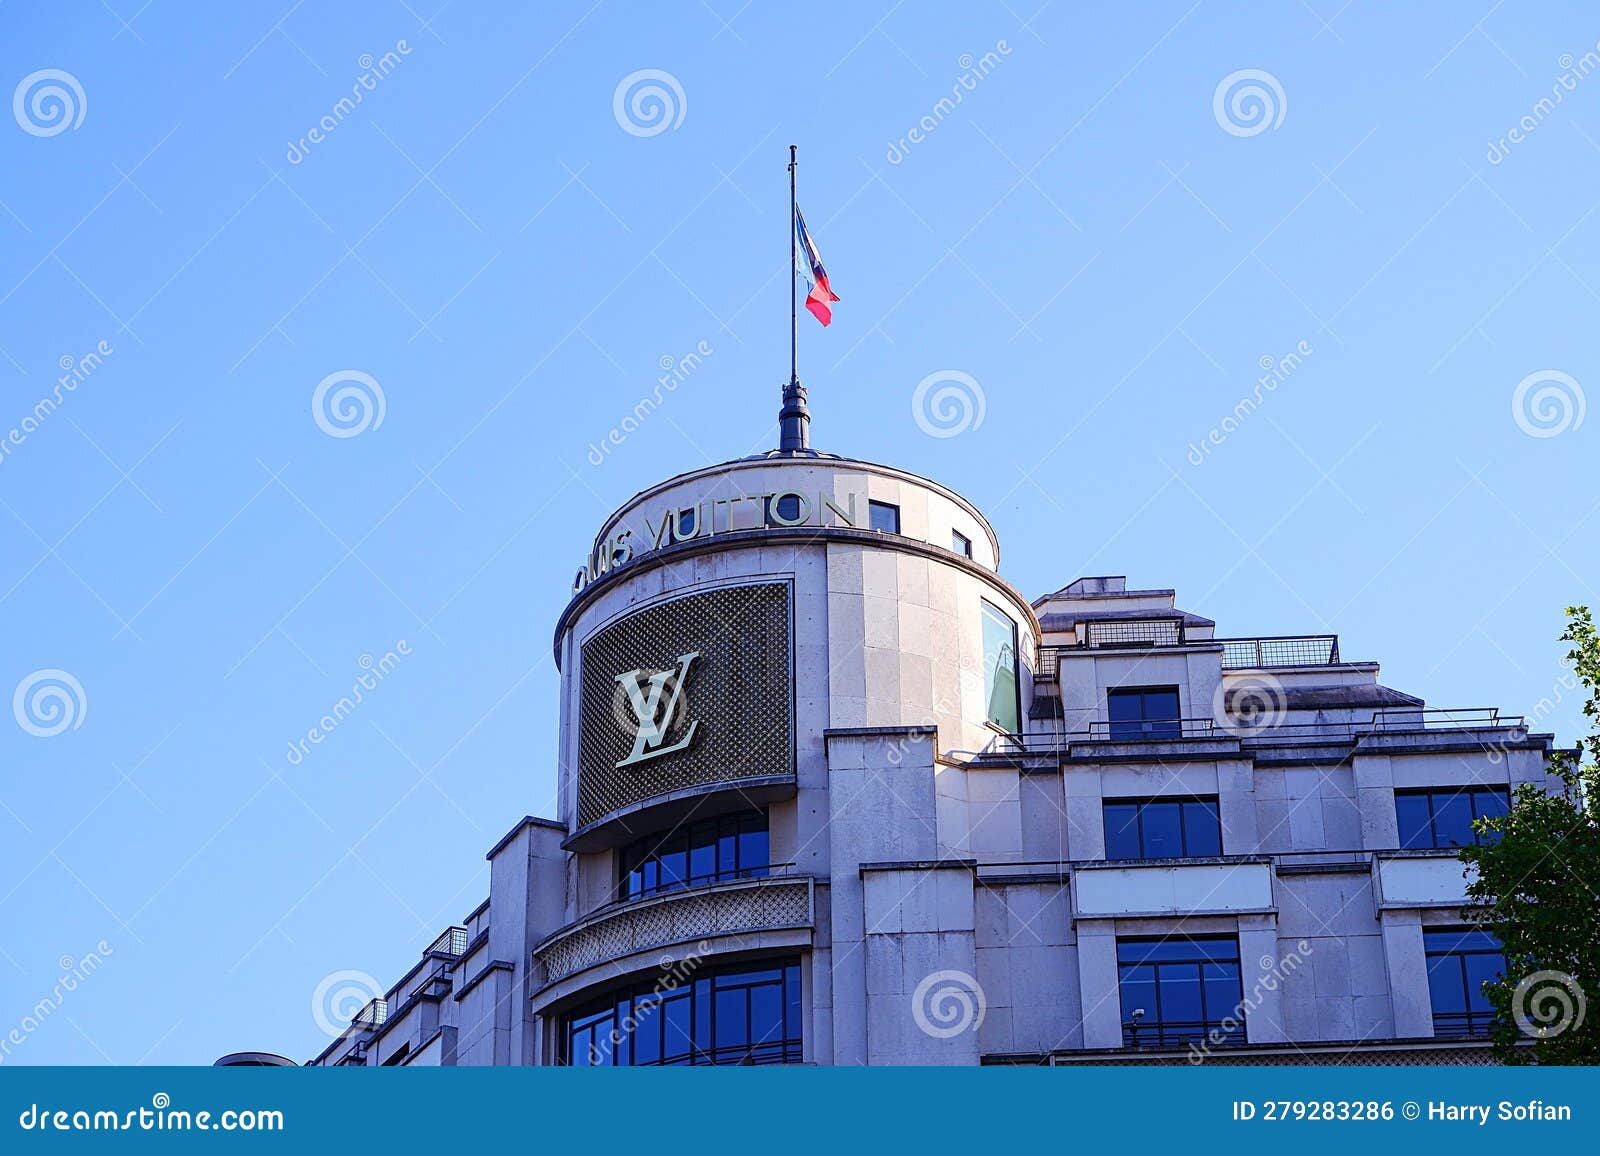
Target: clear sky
[(509, 250)]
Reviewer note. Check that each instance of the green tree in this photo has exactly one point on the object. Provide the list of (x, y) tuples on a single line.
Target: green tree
[(1538, 886)]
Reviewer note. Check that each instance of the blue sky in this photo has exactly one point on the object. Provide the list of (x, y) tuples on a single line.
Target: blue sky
[(1104, 254)]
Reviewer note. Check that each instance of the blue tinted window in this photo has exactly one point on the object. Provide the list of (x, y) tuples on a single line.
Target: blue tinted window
[(735, 1015), (1460, 962), (1162, 829), (960, 543), (1415, 816), (1143, 712), (1444, 816), (1185, 988), (1202, 828), (1122, 831), (884, 517), (712, 850)]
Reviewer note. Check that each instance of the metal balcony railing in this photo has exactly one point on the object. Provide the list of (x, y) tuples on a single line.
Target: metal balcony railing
[(374, 1015), (1151, 730), (452, 943), (1280, 650), (1237, 653), (1393, 720)]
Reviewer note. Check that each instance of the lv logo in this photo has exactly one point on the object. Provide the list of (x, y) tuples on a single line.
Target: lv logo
[(654, 717)]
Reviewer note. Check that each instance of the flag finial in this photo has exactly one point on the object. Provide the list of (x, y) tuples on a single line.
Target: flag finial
[(794, 419)]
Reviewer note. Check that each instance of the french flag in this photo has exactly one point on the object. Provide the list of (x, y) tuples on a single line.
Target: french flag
[(819, 300)]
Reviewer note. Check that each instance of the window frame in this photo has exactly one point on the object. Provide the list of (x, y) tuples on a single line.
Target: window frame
[(1183, 803), (875, 507), (992, 613), (650, 850), (1472, 792), (1153, 1029), (647, 1004), (960, 543), (1478, 1020), (1144, 723)]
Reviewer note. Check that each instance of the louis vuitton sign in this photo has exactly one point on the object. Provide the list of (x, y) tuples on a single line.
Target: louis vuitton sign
[(693, 692), (709, 518)]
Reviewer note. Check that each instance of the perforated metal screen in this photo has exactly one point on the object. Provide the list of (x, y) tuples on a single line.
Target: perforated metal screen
[(734, 706)]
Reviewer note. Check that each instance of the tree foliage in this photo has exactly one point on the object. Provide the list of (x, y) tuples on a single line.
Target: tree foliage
[(1538, 886)]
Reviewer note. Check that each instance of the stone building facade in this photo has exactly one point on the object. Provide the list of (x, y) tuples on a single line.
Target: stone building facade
[(833, 792)]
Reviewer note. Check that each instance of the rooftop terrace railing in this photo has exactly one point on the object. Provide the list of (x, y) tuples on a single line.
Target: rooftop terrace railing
[(1395, 720), (1280, 650), (1237, 653), (452, 942), (374, 1015)]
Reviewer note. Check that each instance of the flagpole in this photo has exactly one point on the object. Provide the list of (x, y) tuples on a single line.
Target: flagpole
[(794, 307), (794, 419)]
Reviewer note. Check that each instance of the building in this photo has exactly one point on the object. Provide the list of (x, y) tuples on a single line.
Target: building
[(833, 792)]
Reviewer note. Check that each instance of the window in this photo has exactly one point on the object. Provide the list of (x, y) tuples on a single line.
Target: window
[(1162, 828), (960, 543), (1143, 712), (1185, 988), (1444, 817), (1460, 962), (1000, 670), (734, 1015), (884, 517), (709, 851)]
